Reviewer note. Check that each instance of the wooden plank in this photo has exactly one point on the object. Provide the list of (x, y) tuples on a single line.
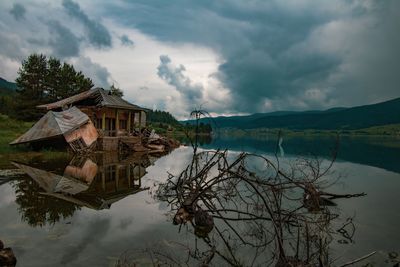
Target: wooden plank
[(103, 121), (128, 175), (117, 120), (116, 177), (129, 122), (103, 180)]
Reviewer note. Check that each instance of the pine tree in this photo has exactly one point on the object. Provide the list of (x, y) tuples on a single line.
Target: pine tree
[(53, 79), (31, 87), (41, 80), (116, 91)]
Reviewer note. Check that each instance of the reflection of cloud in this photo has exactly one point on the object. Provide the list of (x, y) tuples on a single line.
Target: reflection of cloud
[(125, 222), (6, 195), (96, 230), (97, 33), (126, 41), (18, 11)]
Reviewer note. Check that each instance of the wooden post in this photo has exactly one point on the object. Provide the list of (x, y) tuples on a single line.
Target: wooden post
[(128, 174), (103, 180), (117, 177), (103, 122), (129, 123), (140, 119), (117, 121)]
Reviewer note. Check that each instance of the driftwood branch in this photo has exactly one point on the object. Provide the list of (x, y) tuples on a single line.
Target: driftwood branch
[(358, 260)]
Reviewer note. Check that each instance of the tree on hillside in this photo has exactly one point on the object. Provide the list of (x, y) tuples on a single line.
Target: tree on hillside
[(157, 116), (41, 80), (116, 91)]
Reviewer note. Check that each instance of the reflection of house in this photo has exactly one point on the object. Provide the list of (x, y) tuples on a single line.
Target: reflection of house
[(111, 114), (90, 184)]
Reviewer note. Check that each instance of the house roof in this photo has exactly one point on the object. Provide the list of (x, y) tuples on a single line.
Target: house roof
[(102, 97), (54, 124)]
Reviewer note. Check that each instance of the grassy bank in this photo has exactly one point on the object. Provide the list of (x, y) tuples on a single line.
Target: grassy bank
[(385, 130), (11, 129), (175, 130)]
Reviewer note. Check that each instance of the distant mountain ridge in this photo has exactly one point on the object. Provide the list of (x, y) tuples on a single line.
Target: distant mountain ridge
[(7, 88), (4, 84), (359, 117)]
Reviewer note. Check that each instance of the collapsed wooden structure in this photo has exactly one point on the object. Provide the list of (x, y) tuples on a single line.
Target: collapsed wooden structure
[(72, 125), (95, 120)]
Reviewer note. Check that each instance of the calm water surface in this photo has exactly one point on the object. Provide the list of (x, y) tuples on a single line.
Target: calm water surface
[(89, 212)]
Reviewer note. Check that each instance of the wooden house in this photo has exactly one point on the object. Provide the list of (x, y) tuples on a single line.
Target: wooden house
[(82, 119), (111, 115), (96, 120)]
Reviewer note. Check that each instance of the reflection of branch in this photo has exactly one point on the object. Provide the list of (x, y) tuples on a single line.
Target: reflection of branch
[(257, 203), (358, 260), (344, 232), (334, 196)]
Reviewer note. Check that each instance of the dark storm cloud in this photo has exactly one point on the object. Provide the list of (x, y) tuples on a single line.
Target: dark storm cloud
[(285, 54), (126, 41), (18, 11), (10, 47), (174, 76), (63, 41), (99, 74), (97, 34)]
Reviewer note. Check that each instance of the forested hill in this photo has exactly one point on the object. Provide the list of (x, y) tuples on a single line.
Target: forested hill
[(7, 95), (7, 87), (336, 118), (158, 116)]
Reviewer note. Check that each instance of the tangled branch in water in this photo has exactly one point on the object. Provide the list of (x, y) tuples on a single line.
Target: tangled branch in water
[(251, 209)]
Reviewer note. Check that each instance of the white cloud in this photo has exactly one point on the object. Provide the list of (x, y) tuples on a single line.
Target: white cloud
[(134, 69), (245, 56)]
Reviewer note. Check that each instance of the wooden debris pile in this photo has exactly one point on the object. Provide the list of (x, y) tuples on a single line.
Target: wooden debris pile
[(147, 141)]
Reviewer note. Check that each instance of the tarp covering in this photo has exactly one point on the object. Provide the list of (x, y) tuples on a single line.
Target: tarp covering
[(54, 124)]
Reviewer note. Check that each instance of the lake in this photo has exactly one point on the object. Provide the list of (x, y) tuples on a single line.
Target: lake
[(106, 208)]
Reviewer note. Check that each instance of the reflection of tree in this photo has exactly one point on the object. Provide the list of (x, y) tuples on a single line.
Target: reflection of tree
[(37, 208)]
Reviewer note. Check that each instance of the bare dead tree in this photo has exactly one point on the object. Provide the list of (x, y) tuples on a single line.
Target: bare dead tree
[(251, 209)]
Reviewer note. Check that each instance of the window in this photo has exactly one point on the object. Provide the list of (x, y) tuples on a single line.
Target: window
[(99, 123), (110, 127), (122, 124)]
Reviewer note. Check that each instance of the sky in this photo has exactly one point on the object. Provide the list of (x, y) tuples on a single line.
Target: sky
[(229, 57)]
